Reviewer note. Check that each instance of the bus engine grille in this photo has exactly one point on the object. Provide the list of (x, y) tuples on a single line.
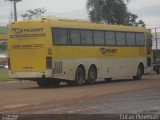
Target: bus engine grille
[(58, 67)]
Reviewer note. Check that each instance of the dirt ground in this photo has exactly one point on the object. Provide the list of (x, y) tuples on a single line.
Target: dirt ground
[(119, 96)]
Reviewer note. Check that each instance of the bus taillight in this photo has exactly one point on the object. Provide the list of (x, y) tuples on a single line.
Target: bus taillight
[(9, 64), (49, 62)]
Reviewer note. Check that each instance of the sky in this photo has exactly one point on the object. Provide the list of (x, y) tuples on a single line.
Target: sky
[(147, 10)]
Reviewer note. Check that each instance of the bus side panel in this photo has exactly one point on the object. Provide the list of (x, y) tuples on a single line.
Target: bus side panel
[(116, 64)]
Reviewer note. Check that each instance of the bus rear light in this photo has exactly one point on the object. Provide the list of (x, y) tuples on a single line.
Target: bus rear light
[(49, 62), (9, 64)]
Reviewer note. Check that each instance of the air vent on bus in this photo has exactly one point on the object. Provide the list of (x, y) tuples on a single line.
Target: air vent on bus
[(141, 52), (58, 67)]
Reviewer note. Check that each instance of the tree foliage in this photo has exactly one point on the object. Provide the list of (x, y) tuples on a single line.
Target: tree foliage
[(38, 12), (112, 12), (132, 20)]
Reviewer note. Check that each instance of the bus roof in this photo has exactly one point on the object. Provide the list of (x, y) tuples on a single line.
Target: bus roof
[(84, 24)]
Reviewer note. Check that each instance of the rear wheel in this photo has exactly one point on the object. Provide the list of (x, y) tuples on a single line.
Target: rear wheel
[(79, 77), (139, 73), (92, 75), (43, 83)]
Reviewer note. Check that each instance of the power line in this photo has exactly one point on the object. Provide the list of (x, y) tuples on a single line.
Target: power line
[(4, 5), (15, 8), (4, 2), (157, 27)]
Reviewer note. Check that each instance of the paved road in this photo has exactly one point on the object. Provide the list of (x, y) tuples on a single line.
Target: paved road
[(120, 96)]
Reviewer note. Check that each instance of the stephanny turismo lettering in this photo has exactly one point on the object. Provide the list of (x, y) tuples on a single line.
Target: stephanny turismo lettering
[(26, 30), (108, 51)]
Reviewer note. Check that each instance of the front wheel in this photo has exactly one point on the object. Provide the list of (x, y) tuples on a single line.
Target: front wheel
[(158, 71), (139, 73)]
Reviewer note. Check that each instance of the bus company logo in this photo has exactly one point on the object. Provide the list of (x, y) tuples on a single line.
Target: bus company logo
[(26, 30), (105, 51)]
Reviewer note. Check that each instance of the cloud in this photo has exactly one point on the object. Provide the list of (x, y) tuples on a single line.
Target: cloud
[(147, 10), (53, 5)]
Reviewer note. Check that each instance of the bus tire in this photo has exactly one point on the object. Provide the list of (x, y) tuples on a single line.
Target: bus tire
[(92, 75), (80, 76), (139, 73), (43, 83)]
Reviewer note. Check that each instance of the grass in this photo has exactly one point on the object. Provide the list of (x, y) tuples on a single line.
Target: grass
[(4, 75)]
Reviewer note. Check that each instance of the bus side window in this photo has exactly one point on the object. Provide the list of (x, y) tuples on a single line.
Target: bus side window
[(86, 37), (75, 37), (140, 39), (131, 39), (110, 38), (121, 39), (60, 36), (99, 37)]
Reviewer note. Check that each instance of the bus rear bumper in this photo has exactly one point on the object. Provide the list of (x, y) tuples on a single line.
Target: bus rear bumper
[(25, 75)]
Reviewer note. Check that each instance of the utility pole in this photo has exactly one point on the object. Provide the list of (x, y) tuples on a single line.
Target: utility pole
[(15, 10), (156, 38), (11, 18)]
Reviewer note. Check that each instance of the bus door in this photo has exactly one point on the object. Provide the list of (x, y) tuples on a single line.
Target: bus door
[(149, 52)]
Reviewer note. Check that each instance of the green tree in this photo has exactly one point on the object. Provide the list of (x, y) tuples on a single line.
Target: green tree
[(112, 12), (131, 20), (38, 12), (108, 11)]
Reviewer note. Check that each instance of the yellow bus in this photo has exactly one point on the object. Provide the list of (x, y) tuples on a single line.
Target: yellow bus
[(54, 50)]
